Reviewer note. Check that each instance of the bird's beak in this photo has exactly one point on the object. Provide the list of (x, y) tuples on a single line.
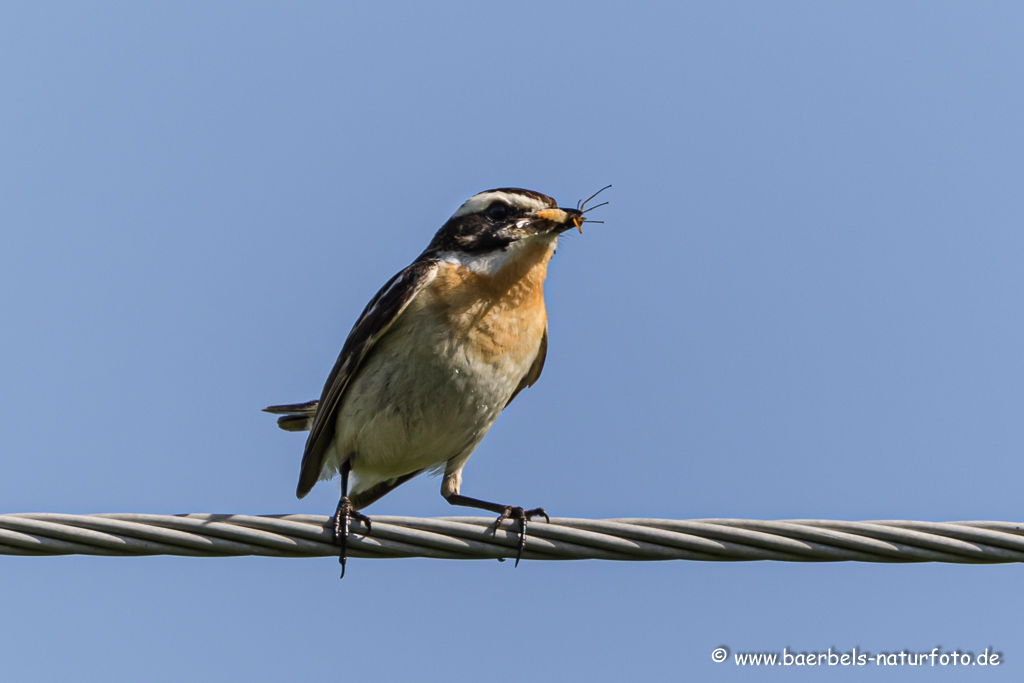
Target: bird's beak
[(564, 219)]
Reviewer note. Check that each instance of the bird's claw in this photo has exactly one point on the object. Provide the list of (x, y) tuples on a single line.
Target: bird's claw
[(342, 515), (522, 516)]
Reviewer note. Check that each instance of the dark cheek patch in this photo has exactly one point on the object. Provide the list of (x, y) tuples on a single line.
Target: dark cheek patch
[(472, 234)]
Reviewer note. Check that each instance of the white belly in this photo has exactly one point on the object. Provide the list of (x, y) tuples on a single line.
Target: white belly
[(423, 397)]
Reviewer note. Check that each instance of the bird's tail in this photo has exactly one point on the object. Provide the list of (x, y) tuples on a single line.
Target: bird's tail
[(295, 417)]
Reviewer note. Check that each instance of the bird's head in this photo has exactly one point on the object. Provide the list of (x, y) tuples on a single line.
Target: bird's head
[(494, 220)]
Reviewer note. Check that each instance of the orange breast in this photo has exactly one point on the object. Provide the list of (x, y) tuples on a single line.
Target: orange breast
[(499, 315)]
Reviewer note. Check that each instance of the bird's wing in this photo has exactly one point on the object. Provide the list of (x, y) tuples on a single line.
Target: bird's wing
[(376, 319), (533, 374)]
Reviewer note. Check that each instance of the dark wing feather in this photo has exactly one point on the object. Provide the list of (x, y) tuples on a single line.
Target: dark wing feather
[(533, 374), (378, 316)]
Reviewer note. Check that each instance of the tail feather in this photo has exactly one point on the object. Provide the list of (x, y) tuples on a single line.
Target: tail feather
[(307, 408), (295, 417)]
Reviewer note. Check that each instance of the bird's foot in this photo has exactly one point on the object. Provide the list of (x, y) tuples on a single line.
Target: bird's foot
[(342, 515), (522, 516)]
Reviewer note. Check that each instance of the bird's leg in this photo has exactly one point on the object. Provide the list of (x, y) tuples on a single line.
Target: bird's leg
[(504, 512), (342, 514)]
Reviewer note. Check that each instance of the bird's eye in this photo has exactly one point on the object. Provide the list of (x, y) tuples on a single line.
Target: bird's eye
[(498, 211)]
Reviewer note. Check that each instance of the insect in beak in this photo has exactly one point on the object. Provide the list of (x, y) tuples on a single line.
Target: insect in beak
[(580, 206)]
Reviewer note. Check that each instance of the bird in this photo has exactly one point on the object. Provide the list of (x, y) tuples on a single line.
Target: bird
[(436, 355)]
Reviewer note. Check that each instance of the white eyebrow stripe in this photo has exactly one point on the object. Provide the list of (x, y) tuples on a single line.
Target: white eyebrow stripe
[(481, 201)]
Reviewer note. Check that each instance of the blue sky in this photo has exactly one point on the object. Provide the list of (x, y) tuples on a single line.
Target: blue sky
[(805, 303)]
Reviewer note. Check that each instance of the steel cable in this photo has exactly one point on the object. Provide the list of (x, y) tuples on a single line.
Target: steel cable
[(468, 538)]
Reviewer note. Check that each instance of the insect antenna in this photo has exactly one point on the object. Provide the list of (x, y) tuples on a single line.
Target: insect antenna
[(580, 205)]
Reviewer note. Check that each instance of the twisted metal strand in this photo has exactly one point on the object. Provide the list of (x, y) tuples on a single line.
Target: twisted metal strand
[(469, 538)]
